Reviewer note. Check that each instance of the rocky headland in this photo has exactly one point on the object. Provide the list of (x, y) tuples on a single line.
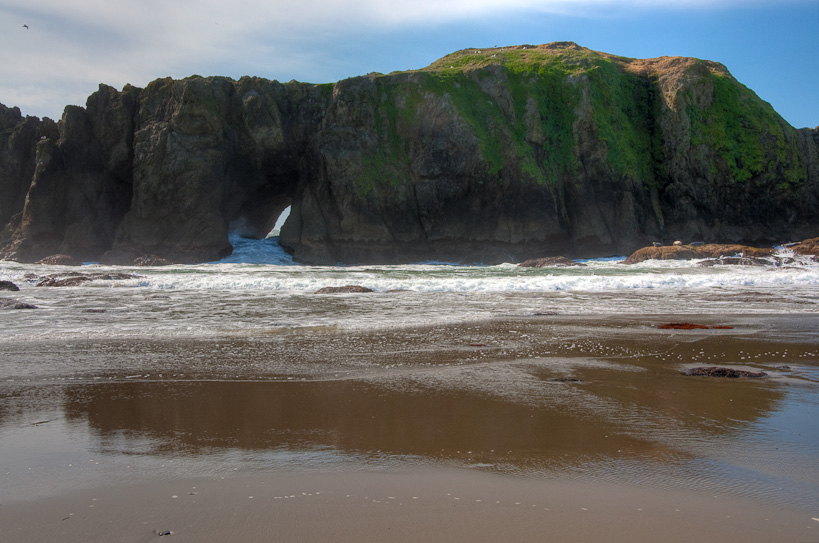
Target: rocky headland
[(484, 156)]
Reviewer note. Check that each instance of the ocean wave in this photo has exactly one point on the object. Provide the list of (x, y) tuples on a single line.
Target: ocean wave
[(301, 279), (262, 265), (256, 251)]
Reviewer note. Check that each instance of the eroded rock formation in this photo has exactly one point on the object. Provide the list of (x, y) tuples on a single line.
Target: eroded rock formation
[(488, 156)]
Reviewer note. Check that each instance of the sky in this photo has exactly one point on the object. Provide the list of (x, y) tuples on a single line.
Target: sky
[(71, 46)]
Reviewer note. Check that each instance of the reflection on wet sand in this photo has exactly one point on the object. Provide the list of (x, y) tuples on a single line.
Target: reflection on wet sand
[(602, 409), (354, 417)]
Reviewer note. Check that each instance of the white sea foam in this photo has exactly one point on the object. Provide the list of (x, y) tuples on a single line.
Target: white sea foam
[(250, 297), (262, 265), (299, 279)]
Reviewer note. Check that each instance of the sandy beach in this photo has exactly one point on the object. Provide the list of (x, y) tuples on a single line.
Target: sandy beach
[(567, 428), (427, 505)]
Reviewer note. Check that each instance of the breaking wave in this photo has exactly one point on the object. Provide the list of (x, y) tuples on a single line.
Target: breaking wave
[(263, 265)]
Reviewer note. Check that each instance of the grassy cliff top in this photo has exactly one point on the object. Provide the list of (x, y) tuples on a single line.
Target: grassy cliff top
[(567, 55)]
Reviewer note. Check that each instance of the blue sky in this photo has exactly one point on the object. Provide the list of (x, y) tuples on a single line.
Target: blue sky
[(72, 46)]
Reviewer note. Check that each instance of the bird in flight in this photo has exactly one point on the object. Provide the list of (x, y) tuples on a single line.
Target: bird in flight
[(25, 26)]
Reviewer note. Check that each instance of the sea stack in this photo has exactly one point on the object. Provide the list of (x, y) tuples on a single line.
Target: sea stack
[(484, 156)]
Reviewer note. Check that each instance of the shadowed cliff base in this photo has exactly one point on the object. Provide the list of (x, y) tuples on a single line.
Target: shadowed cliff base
[(487, 155)]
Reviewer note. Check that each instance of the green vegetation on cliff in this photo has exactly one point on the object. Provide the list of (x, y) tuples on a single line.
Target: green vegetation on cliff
[(520, 112), (531, 109), (538, 142), (522, 104), (624, 110), (747, 134)]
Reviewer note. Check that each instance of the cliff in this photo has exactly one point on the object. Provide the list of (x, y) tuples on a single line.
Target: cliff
[(486, 155)]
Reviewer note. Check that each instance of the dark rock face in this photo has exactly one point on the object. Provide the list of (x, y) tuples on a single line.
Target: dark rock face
[(481, 157), (80, 182), (213, 154)]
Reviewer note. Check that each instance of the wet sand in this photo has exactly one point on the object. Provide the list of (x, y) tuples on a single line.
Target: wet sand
[(429, 505), (557, 427)]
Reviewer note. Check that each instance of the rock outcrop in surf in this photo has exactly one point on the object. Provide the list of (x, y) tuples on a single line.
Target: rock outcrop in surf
[(484, 156)]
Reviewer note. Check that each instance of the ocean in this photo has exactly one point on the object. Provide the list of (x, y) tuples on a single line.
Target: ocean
[(258, 289)]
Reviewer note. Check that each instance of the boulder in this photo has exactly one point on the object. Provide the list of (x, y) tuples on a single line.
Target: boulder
[(663, 253), (758, 252), (717, 250), (8, 285), (351, 289), (730, 373), (807, 247), (75, 279), (750, 255), (151, 260), (734, 261), (550, 262), (8, 303), (70, 280), (122, 255), (59, 260)]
